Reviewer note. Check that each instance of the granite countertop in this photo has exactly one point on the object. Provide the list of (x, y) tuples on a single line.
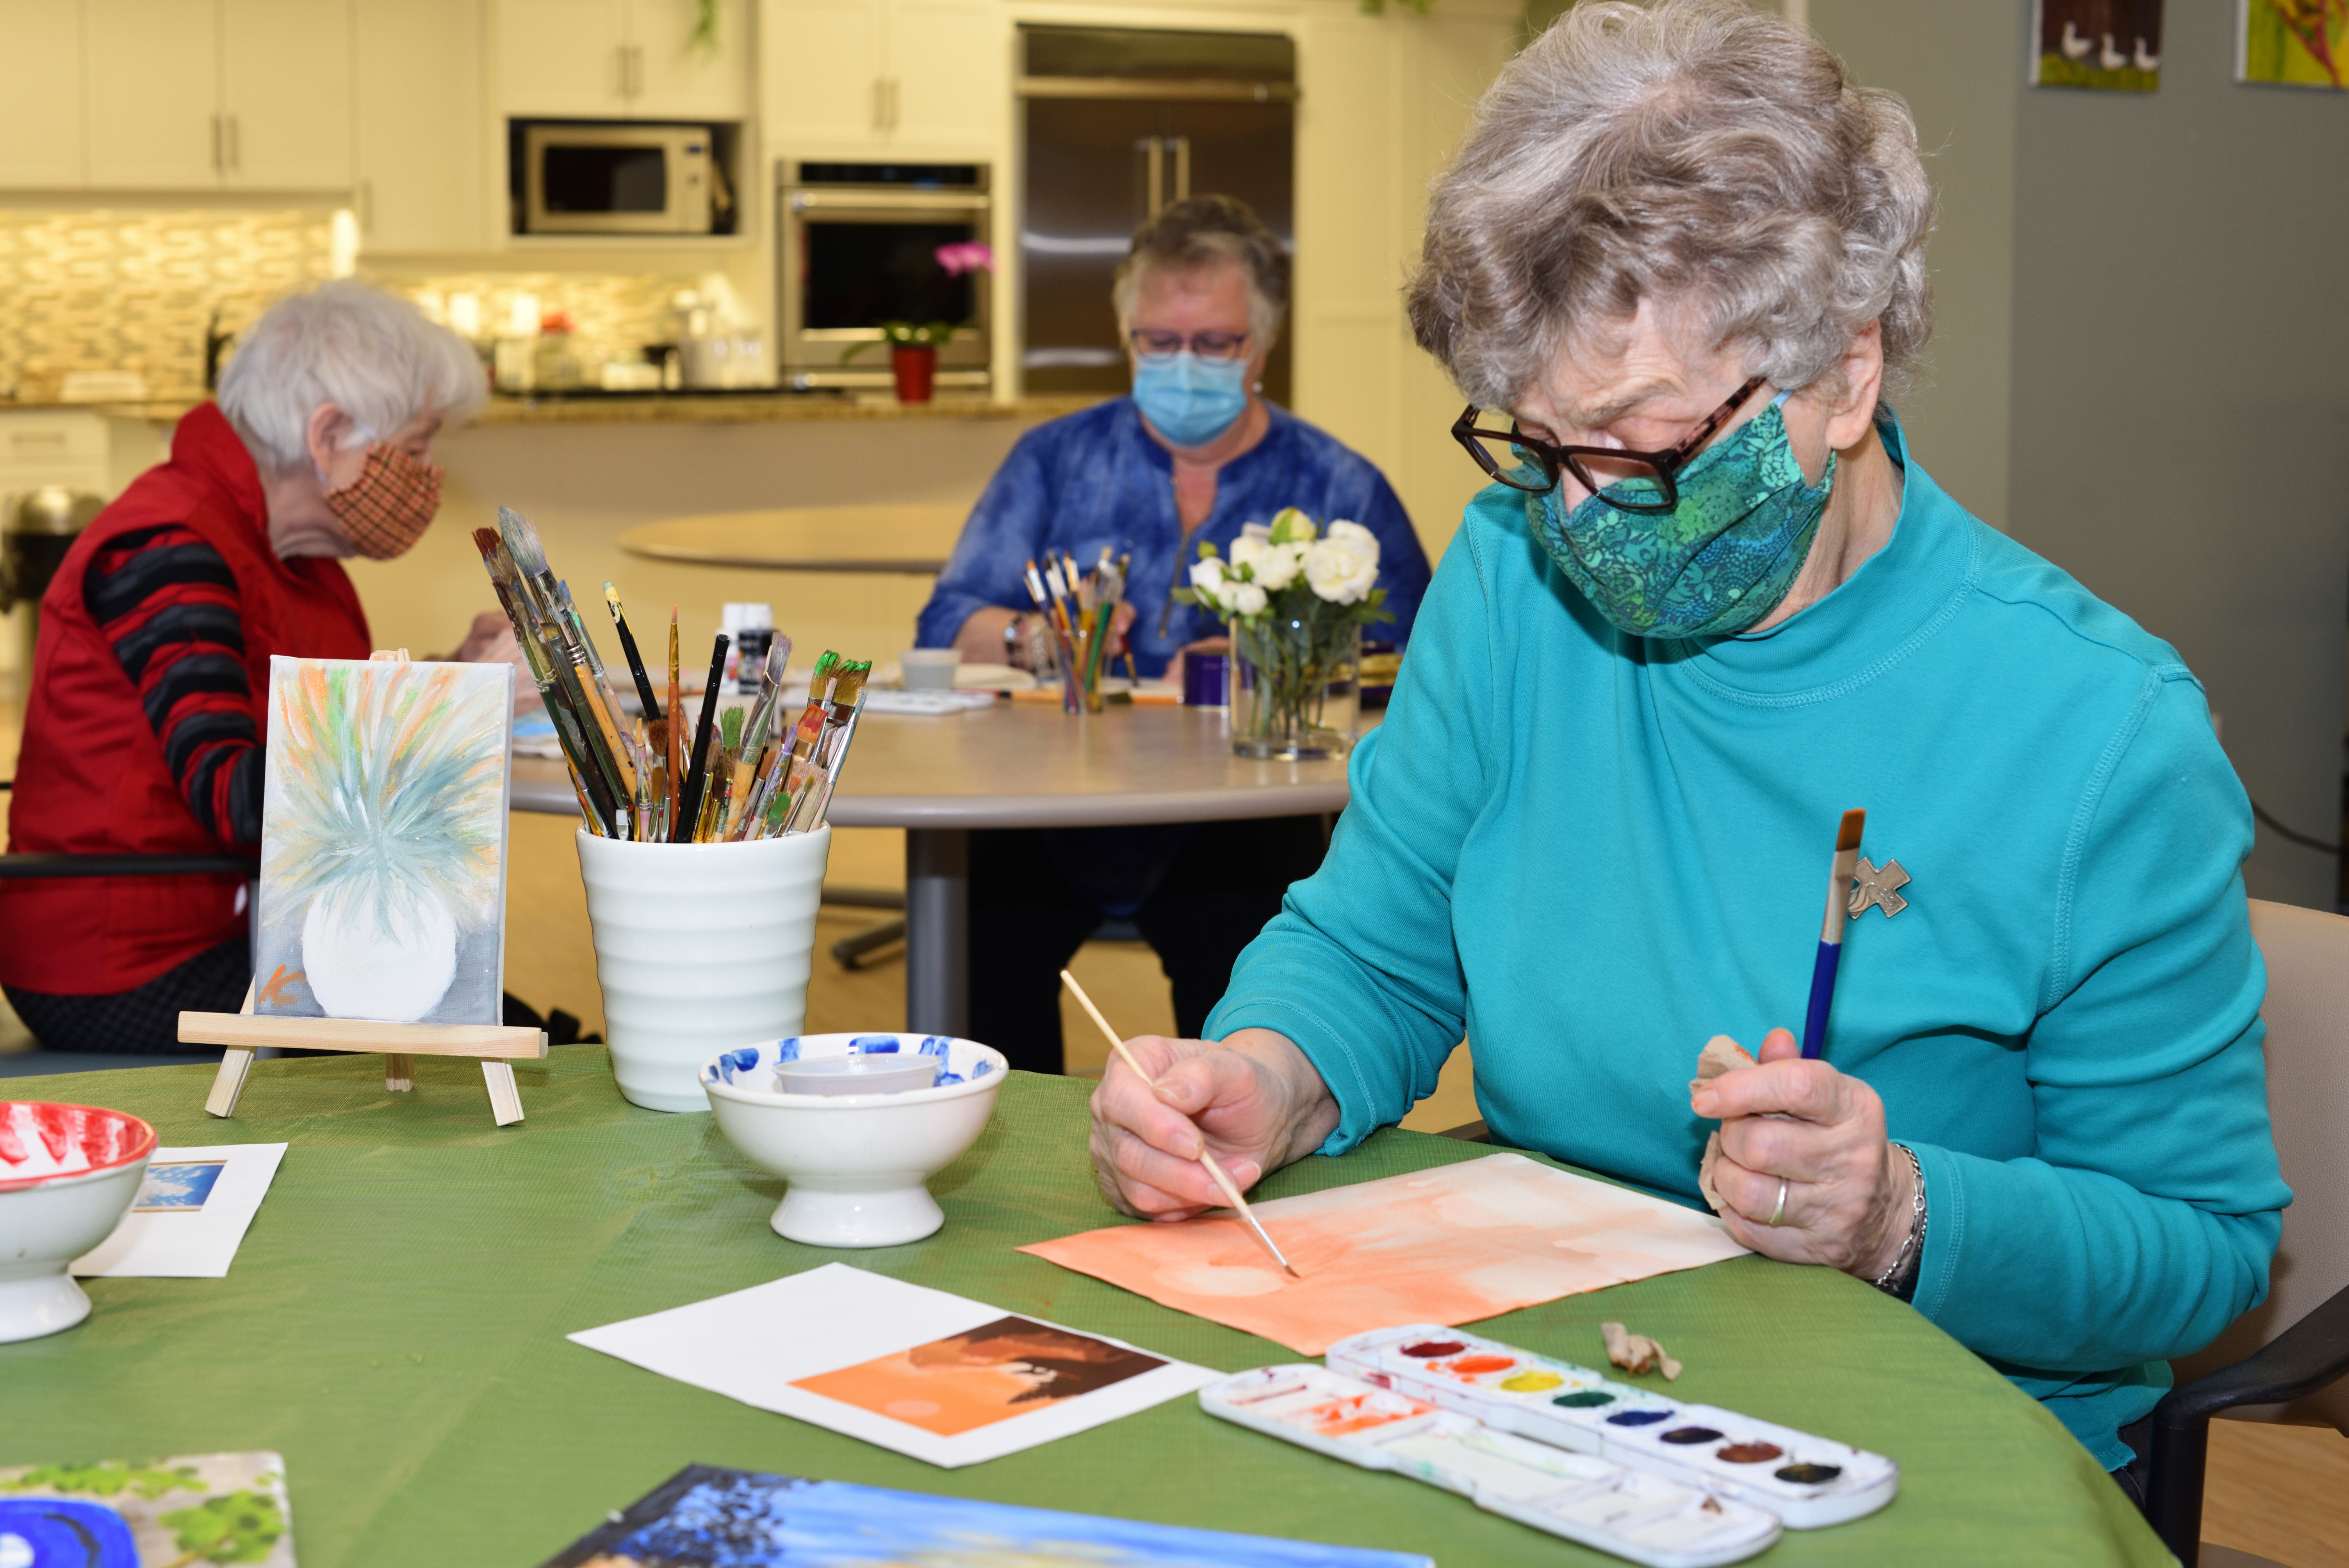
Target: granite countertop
[(658, 408)]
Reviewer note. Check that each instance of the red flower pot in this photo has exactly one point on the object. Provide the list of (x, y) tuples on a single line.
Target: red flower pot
[(915, 366)]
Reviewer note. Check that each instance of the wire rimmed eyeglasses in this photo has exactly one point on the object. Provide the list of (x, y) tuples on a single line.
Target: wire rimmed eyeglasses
[(1206, 345), (1521, 463)]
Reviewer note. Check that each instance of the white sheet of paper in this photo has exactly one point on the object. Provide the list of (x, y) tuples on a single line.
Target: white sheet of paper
[(191, 1214), (753, 1345)]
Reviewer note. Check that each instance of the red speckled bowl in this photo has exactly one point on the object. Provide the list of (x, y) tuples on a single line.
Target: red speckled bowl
[(67, 1174)]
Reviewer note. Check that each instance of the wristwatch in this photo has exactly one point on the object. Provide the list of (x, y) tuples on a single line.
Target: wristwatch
[(1014, 644)]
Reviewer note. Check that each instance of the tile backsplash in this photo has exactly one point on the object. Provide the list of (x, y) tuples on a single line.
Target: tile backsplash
[(132, 291)]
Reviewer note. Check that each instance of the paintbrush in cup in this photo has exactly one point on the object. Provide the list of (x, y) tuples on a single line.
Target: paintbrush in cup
[(696, 779), (1223, 1183)]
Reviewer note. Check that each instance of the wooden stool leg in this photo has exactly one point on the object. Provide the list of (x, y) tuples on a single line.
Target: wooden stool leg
[(505, 1096), (228, 1084), (399, 1072)]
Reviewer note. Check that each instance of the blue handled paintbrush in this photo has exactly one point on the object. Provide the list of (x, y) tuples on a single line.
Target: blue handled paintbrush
[(1823, 971)]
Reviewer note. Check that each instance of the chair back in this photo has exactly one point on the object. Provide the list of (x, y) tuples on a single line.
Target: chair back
[(2307, 1014)]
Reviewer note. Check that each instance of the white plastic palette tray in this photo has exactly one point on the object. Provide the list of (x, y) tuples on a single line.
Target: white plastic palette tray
[(1635, 1514), (1808, 1481)]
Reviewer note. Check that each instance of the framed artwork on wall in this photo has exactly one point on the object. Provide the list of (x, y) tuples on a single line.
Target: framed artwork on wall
[(2105, 46), (2291, 43)]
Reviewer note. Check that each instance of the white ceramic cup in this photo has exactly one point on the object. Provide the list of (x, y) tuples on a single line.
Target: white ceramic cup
[(46, 1220), (699, 948), (929, 669)]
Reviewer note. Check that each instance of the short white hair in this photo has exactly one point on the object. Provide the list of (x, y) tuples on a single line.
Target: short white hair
[(1198, 234), (1717, 161), (371, 355)]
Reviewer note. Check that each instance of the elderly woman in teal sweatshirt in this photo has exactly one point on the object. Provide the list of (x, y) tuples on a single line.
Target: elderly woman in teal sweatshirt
[(1709, 602)]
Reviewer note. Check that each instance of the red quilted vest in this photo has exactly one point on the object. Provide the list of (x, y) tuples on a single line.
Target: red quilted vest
[(90, 778)]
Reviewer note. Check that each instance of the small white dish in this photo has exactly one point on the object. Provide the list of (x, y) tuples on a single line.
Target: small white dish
[(856, 1162), (68, 1175), (928, 670)]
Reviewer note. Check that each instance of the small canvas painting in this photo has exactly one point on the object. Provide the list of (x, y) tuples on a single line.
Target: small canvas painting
[(383, 841), (2293, 43), (198, 1510), (982, 1375), (706, 1517), (2109, 45), (177, 1189)]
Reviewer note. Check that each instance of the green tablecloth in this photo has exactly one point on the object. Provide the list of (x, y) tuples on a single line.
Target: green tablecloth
[(394, 1326)]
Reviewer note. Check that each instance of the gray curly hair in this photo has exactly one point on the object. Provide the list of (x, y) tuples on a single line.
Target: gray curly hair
[(1715, 161)]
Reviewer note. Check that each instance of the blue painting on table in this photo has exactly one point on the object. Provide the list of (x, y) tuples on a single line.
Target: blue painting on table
[(179, 1188), (708, 1517)]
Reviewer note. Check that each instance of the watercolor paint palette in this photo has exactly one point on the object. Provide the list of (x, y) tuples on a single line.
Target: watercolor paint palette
[(1637, 1514), (1809, 1481)]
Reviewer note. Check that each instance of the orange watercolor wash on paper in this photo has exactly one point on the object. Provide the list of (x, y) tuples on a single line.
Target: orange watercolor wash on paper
[(1450, 1246), (981, 1376)]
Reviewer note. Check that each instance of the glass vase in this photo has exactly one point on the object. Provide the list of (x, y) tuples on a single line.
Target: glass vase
[(1296, 688)]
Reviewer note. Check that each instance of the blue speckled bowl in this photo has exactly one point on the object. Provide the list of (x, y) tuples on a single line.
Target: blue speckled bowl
[(856, 1162)]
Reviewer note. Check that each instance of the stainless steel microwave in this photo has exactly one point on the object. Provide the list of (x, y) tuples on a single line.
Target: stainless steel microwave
[(617, 180)]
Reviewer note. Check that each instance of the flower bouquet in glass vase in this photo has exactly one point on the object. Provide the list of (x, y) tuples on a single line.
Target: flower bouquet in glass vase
[(1296, 599)]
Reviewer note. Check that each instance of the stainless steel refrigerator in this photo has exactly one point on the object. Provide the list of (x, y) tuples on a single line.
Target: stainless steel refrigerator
[(1118, 122)]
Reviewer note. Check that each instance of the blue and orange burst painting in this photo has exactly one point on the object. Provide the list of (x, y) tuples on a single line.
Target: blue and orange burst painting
[(383, 841), (706, 1517)]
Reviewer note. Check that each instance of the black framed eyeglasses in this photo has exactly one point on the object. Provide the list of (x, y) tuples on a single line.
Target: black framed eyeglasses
[(1521, 463), (1206, 345)]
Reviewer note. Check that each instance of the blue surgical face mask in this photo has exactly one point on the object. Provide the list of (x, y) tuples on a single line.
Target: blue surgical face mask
[(1722, 559), (1187, 399)]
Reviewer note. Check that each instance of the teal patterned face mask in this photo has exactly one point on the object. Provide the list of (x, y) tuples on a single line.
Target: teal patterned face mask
[(1718, 561)]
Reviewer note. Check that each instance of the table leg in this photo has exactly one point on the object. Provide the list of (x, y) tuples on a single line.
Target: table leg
[(937, 931)]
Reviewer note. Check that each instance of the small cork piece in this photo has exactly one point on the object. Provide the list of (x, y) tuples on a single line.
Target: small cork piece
[(1720, 1054), (1636, 1352)]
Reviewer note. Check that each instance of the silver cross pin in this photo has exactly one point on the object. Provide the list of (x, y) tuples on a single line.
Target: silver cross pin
[(1877, 887)]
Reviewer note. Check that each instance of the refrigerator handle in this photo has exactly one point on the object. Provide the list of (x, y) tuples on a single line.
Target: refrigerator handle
[(1153, 174), (1182, 167)]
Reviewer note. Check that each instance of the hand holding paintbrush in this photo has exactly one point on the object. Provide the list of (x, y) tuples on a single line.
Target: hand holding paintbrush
[(1216, 1173)]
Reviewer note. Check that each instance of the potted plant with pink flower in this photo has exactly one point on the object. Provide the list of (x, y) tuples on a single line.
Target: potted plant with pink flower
[(914, 345), (1295, 598)]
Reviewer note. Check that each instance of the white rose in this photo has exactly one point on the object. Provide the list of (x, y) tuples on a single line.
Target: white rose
[(1248, 550), (1362, 536), (1280, 566), (1341, 570), (1246, 599), (1207, 581)]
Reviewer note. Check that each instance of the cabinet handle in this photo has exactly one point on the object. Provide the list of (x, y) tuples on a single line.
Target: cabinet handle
[(620, 64), (236, 147), (896, 87), (635, 69), (880, 103)]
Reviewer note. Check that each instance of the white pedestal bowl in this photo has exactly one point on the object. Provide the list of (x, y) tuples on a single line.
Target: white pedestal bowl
[(67, 1174), (856, 1162)]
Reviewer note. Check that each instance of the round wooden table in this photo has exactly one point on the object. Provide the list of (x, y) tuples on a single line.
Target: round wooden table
[(912, 539), (1020, 765)]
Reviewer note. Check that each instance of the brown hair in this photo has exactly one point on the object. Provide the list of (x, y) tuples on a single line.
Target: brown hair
[(1201, 232)]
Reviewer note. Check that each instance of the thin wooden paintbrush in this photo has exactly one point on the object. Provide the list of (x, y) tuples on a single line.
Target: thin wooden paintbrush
[(644, 679), (1223, 1183), (1823, 968), (697, 780), (673, 745), (594, 773)]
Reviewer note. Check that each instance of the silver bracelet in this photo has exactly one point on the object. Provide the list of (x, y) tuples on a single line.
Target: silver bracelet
[(1912, 1246)]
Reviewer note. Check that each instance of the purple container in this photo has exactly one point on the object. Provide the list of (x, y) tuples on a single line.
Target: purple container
[(1203, 679)]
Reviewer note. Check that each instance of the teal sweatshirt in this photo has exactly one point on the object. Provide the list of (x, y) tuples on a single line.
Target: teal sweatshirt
[(1589, 853)]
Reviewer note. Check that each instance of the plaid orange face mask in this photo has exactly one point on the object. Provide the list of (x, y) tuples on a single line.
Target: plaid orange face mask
[(388, 508)]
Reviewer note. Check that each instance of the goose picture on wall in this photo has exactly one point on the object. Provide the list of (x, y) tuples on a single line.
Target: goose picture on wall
[(2105, 46)]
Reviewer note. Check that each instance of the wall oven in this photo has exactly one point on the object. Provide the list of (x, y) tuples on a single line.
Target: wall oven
[(858, 247)]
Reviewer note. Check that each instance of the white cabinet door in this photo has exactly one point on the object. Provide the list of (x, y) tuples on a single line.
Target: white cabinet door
[(563, 58), (675, 78), (40, 114), (949, 62), (285, 90), (422, 136), (821, 81), (154, 94)]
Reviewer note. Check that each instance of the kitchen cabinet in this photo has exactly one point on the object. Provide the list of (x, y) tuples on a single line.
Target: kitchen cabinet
[(420, 125), (221, 95), (620, 59), (884, 73), (41, 136)]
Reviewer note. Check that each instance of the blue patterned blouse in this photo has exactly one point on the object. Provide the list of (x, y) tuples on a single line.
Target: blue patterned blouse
[(1096, 478)]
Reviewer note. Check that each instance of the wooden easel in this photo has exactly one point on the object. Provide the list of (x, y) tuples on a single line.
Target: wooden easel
[(244, 1032)]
